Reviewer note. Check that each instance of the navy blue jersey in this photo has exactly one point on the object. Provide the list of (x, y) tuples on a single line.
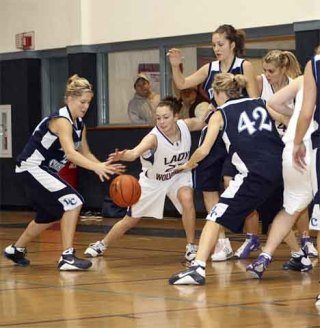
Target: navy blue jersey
[(315, 62), (44, 148), (251, 137), (215, 68)]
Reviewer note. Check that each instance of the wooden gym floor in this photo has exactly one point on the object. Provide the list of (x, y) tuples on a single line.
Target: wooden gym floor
[(129, 287)]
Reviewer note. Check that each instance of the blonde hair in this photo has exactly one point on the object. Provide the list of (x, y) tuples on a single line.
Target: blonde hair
[(231, 84), (284, 59), (76, 86)]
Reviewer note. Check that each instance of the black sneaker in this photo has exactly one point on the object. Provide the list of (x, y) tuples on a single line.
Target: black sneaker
[(18, 256), (69, 262), (195, 275), (300, 263)]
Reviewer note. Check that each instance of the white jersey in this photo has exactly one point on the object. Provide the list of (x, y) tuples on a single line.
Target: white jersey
[(291, 129), (159, 165), (266, 93), (267, 90)]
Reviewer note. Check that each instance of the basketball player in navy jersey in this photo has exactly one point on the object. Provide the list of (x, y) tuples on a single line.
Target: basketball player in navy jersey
[(59, 138), (228, 46), (310, 108), (255, 148), (161, 151)]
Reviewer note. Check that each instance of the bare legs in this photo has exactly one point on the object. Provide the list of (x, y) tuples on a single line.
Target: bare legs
[(119, 229), (32, 231), (208, 239), (280, 228), (252, 223), (185, 196), (303, 223), (68, 226), (210, 198)]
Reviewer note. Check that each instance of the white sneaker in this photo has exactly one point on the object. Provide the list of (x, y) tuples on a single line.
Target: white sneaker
[(223, 250), (95, 249), (191, 252), (310, 249), (251, 244)]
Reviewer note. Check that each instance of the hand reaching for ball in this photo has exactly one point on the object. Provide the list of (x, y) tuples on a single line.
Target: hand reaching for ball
[(117, 155), (104, 169)]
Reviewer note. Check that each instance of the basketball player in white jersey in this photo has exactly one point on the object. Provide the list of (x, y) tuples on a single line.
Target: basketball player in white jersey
[(310, 108), (280, 68), (297, 186), (161, 151)]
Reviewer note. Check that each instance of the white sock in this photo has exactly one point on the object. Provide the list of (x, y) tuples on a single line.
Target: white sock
[(68, 251), (201, 263), (266, 255)]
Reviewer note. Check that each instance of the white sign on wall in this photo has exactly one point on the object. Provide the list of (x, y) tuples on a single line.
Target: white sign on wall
[(5, 131)]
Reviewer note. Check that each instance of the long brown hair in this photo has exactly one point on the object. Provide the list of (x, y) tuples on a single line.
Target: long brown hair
[(233, 35)]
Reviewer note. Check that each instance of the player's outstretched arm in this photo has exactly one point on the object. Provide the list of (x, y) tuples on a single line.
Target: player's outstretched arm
[(181, 82), (215, 124), (149, 142), (277, 116), (198, 123), (280, 100), (63, 129), (104, 169)]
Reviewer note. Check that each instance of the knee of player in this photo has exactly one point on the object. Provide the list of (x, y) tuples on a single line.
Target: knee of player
[(186, 198), (130, 222)]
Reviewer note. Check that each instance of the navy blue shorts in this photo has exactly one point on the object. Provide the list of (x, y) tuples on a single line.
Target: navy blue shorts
[(207, 176), (245, 194), (270, 208), (228, 169), (49, 194)]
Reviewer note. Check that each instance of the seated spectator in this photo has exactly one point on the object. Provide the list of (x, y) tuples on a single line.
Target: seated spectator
[(141, 108), (193, 103)]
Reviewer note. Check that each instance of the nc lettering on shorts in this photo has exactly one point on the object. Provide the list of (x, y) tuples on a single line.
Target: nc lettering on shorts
[(70, 201)]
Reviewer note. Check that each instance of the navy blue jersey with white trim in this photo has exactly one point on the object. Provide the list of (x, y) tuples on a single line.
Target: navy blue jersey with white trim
[(215, 68), (44, 148), (251, 137), (315, 62)]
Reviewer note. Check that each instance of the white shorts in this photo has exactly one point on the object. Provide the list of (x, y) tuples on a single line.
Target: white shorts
[(154, 192), (297, 194), (315, 216)]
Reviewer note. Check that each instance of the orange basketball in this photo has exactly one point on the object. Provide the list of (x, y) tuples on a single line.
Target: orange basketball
[(125, 190)]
